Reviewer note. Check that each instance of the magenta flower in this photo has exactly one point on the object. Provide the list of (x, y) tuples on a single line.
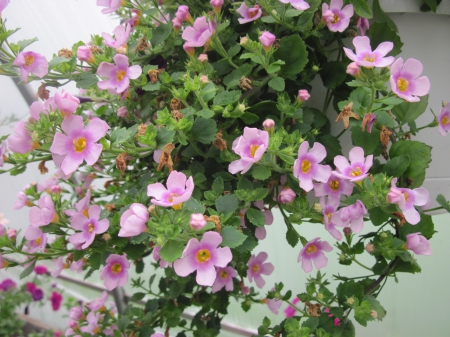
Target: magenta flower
[(79, 143), (267, 39), (31, 62), (115, 272), (118, 75), (418, 244), (406, 199), (364, 55), (405, 80), (336, 17), (331, 216), (178, 191), (111, 5), (257, 267), (301, 5), (224, 278), (89, 227), (21, 141), (353, 215), (335, 187), (199, 34), (40, 270), (65, 103), (363, 25), (357, 170), (313, 251), (248, 14), (121, 34), (197, 221), (56, 300), (250, 146), (444, 120), (307, 167), (7, 284), (203, 256), (290, 311), (133, 221), (3, 150)]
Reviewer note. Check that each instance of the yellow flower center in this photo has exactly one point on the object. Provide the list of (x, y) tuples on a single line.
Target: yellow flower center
[(96, 330), (445, 120), (329, 215), (85, 212), (177, 206), (79, 144), (336, 19), (170, 199), (356, 172), (120, 74), (38, 241), (406, 195), (253, 149), (90, 228), (55, 218), (402, 84), (256, 268), (370, 58), (29, 60), (203, 255), (116, 268), (311, 249), (223, 274), (305, 166), (334, 185)]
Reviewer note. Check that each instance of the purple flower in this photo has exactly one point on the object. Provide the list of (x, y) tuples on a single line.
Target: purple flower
[(224, 278), (118, 74), (89, 227), (203, 256), (31, 62), (79, 143), (336, 17), (358, 168), (267, 39), (313, 251), (248, 14), (406, 199), (418, 244), (364, 55), (7, 285), (178, 191), (307, 167), (199, 34), (331, 216), (405, 80), (115, 272), (353, 215), (250, 146), (290, 311), (37, 294), (368, 120), (444, 120), (56, 300), (133, 221), (121, 34), (21, 141), (335, 186), (301, 5), (257, 267), (363, 25), (111, 5), (40, 270)]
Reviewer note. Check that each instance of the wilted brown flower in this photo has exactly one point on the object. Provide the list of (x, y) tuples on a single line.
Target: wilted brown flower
[(220, 143), (166, 158), (313, 309), (384, 136), (122, 162), (346, 114), (215, 219), (177, 114), (175, 104), (245, 83), (400, 217), (42, 167), (43, 93), (142, 45), (67, 53)]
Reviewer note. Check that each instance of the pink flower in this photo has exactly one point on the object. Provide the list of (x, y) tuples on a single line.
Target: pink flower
[(44, 214), (353, 215), (37, 242), (203, 58), (81, 206), (84, 53), (40, 270), (31, 62), (115, 272), (121, 34), (444, 120), (217, 5), (307, 167), (45, 186), (56, 300), (353, 69), (133, 221), (405, 80), (224, 278), (99, 303), (22, 201), (274, 304), (418, 244), (257, 267), (78, 265), (406, 199), (197, 221), (248, 14), (89, 227), (365, 57), (157, 335), (3, 150), (76, 313), (59, 266), (111, 5), (157, 257), (203, 256), (21, 141), (335, 186), (65, 103), (331, 216), (313, 251), (303, 95), (92, 320), (178, 191), (359, 168), (301, 5), (3, 4), (363, 25), (118, 75), (12, 233), (199, 34), (290, 311), (267, 39), (286, 196), (79, 143), (260, 232), (337, 322), (336, 17), (122, 112), (183, 13), (250, 146)]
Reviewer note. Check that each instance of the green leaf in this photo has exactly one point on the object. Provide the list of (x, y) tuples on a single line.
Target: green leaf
[(25, 43), (161, 33), (292, 237), (293, 52), (233, 78), (86, 80), (232, 237), (361, 8), (425, 227), (362, 313), (256, 217), (233, 51), (311, 323), (123, 322), (137, 297), (164, 136), (333, 146), (382, 32), (204, 130), (368, 141), (95, 261), (217, 186), (134, 251), (407, 112), (226, 204), (288, 159), (249, 118), (27, 271), (171, 251), (249, 244), (333, 74), (383, 118), (397, 166), (261, 172), (381, 16), (151, 86), (378, 216), (57, 60), (349, 289), (227, 97), (430, 5), (194, 206), (253, 194), (205, 113), (121, 135), (277, 83), (443, 202)]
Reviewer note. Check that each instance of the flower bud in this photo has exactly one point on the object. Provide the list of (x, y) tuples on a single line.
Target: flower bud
[(106, 237), (217, 5), (85, 54), (151, 208), (245, 291), (203, 58), (303, 95), (350, 301), (268, 124), (383, 235), (317, 207), (76, 313), (244, 41), (197, 221), (204, 79), (12, 234), (122, 112), (353, 69), (55, 189), (189, 50), (286, 196), (370, 248), (374, 314), (177, 23), (267, 39), (347, 231)]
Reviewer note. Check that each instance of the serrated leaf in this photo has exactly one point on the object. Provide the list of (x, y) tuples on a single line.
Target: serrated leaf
[(204, 130), (164, 136), (397, 165), (361, 8), (161, 33), (261, 172), (232, 237), (381, 32), (256, 217), (333, 74), (277, 84), (137, 297), (227, 97), (408, 112), (425, 227), (292, 237), (293, 52), (25, 43), (121, 135), (151, 86), (95, 261), (57, 60), (86, 80), (205, 113), (233, 78), (226, 204), (381, 16), (171, 251)]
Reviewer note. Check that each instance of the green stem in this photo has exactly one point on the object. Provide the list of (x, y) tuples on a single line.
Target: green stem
[(433, 209), (362, 265), (296, 308), (341, 133)]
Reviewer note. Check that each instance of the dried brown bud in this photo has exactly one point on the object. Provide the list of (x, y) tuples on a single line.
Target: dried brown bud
[(216, 220), (177, 114), (110, 207), (313, 309), (175, 104), (142, 45), (408, 136), (122, 162), (43, 93), (346, 114), (352, 33), (106, 237), (245, 83), (42, 167), (384, 136), (67, 53), (153, 74), (141, 131), (69, 259), (401, 218), (220, 143), (95, 49), (166, 158)]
